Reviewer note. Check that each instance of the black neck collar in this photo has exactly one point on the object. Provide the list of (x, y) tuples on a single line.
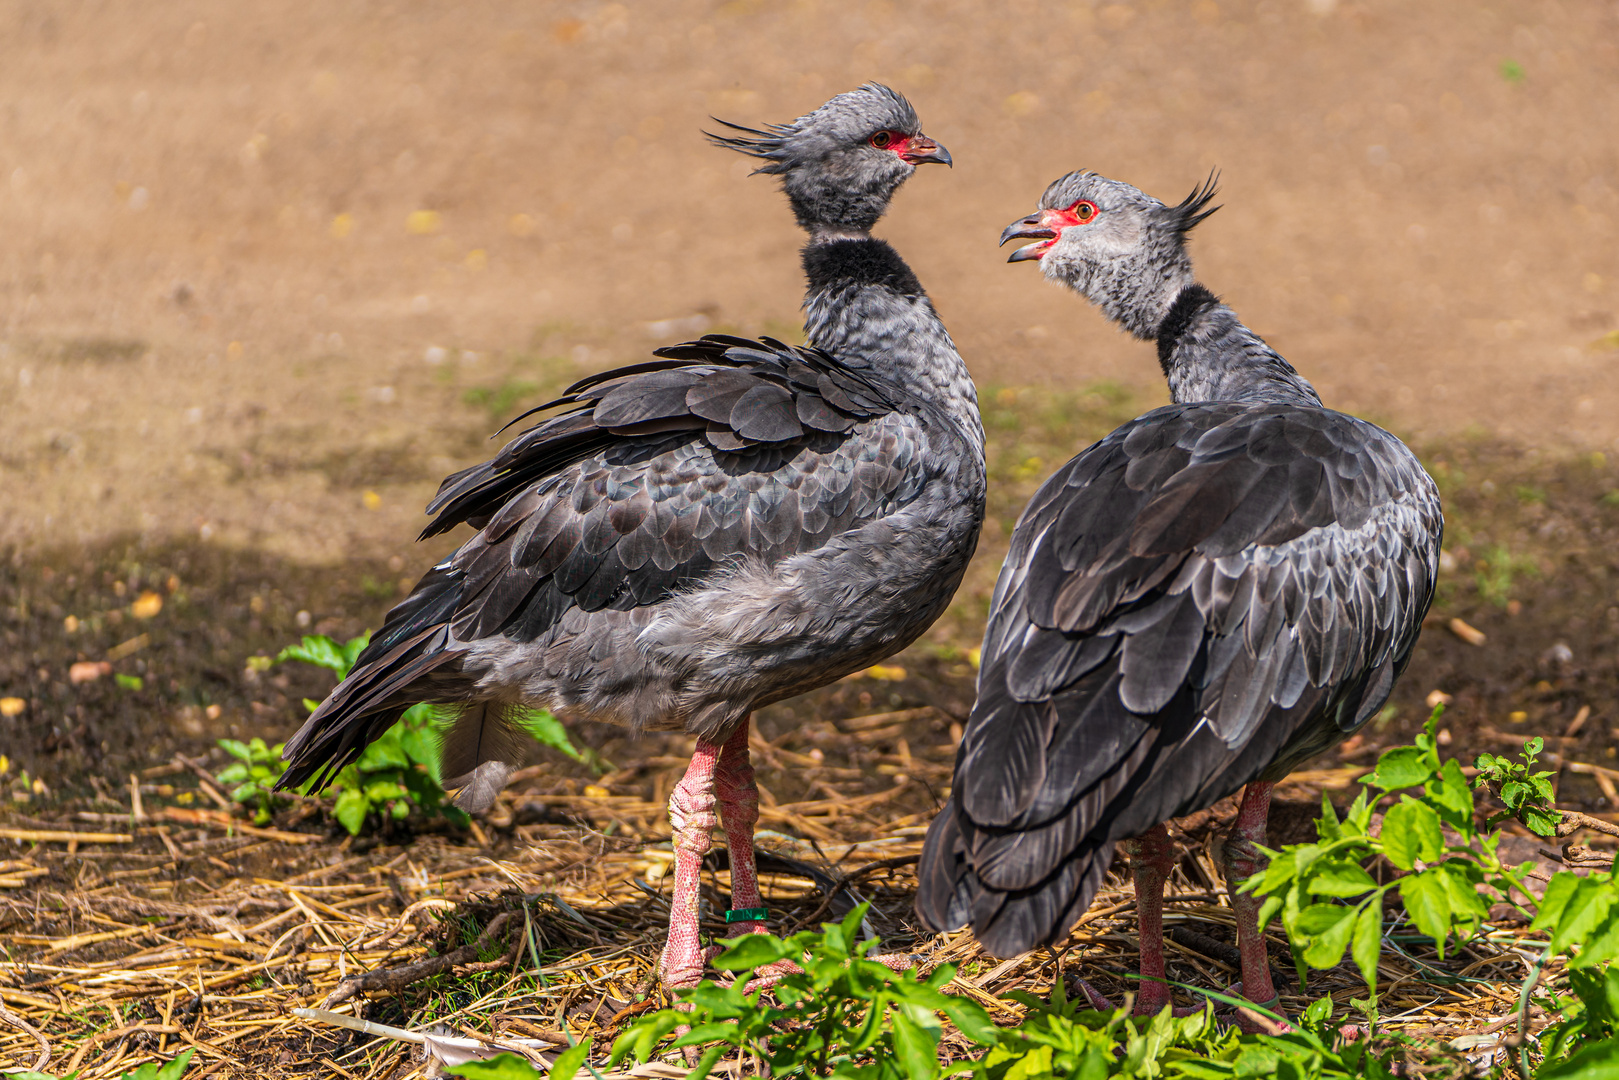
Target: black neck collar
[(1192, 301)]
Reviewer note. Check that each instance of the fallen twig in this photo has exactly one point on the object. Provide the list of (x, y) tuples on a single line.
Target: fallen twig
[(62, 836), (20, 1024), (393, 980)]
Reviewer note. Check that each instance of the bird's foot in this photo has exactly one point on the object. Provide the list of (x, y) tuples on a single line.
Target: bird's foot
[(1254, 1022), (1147, 1004)]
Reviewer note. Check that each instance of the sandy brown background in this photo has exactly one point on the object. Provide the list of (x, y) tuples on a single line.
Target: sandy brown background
[(216, 320)]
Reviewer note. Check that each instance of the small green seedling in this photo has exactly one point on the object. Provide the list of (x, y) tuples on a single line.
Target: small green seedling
[(254, 772), (1528, 795)]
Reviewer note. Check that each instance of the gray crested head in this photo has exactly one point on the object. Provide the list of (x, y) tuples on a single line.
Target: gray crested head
[(842, 163), (1114, 244)]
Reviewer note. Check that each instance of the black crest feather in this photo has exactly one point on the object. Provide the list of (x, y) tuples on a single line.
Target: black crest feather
[(770, 145), (1190, 212)]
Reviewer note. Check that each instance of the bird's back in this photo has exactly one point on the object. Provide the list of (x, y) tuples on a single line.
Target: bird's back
[(1203, 598)]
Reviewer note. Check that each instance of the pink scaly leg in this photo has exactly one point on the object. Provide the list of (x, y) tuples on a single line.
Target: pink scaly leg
[(691, 813), (1152, 857), (738, 797), (1242, 861)]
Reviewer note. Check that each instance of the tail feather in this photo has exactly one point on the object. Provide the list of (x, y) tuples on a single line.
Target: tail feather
[(478, 752), (951, 894), (385, 681)]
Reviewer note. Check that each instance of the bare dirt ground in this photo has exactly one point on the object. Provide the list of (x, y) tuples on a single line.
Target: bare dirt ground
[(215, 316), (267, 274)]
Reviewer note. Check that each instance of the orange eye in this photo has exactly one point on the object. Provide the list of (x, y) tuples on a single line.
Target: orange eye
[(883, 140), (1083, 210)]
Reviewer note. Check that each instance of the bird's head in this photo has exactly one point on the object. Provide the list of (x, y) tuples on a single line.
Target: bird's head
[(842, 163), (1114, 244)]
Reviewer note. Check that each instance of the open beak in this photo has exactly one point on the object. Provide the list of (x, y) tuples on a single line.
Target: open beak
[(1043, 227), (923, 150)]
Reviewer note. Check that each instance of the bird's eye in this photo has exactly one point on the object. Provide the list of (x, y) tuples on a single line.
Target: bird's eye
[(882, 140), (1083, 211)]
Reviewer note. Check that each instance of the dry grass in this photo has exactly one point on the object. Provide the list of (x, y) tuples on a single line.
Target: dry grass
[(200, 932)]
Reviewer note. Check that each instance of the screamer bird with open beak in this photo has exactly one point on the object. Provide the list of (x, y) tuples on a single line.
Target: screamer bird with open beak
[(1215, 592)]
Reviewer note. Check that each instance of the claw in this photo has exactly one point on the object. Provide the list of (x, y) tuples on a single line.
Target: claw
[(1253, 1022), (1100, 1002)]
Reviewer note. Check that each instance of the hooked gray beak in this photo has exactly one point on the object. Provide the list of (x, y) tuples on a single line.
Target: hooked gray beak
[(923, 150), (1033, 227)]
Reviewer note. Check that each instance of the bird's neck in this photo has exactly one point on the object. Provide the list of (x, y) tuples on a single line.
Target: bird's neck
[(1209, 355), (865, 307)]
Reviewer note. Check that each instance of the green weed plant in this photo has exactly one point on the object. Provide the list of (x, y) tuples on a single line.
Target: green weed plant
[(395, 776)]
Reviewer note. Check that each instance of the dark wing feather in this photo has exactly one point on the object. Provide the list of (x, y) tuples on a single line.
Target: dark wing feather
[(1207, 596), (648, 479)]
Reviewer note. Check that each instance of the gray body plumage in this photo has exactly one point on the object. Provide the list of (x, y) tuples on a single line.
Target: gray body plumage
[(692, 538), (1214, 592)]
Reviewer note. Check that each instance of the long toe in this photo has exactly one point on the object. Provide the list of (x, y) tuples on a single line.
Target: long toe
[(1143, 1006), (1254, 1022)]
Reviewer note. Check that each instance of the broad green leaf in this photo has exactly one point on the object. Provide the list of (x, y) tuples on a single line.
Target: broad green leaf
[(973, 1020), (384, 753), (320, 650), (1317, 1011), (1343, 879), (1035, 1063), (1327, 825), (176, 1068), (350, 651), (232, 774), (1540, 821), (1410, 832), (1325, 929), (236, 749), (1558, 892), (1401, 767), (1601, 945), (1593, 1061), (720, 1030), (1587, 907), (1268, 910), (350, 810), (547, 730), (1461, 878), (383, 790), (566, 1065), (752, 951), (1427, 901), (1450, 790), (1368, 941), (420, 745), (915, 1051), (1360, 812)]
